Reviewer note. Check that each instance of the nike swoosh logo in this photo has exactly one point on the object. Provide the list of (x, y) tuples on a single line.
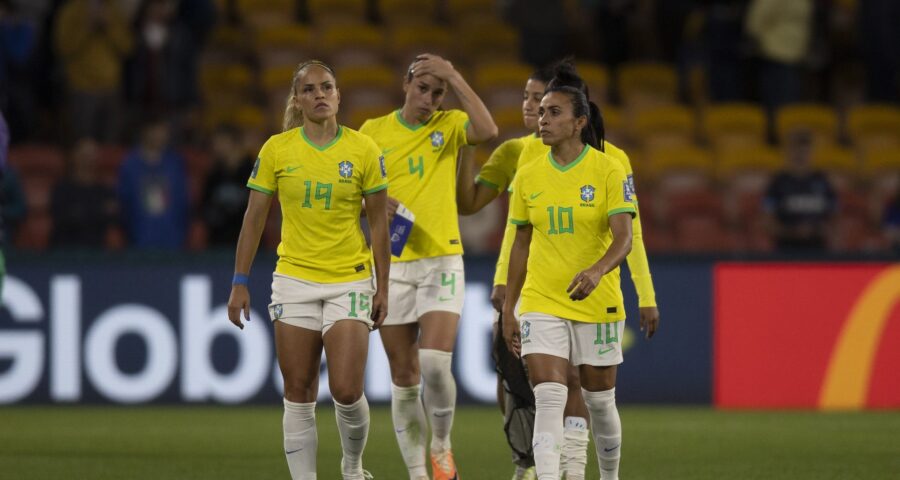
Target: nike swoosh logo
[(355, 439), (610, 449), (535, 195), (445, 299), (401, 430), (288, 452), (441, 414), (601, 352), (290, 169), (387, 151)]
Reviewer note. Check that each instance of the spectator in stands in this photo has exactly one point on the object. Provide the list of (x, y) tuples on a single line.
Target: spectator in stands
[(92, 39), (891, 222), (17, 41), (162, 73), (799, 200), (782, 31), (723, 42), (83, 209), (153, 191), (225, 191)]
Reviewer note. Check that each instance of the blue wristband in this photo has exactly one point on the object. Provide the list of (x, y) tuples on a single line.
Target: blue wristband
[(240, 279)]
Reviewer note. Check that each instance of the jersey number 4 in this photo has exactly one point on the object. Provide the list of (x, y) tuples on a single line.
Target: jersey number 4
[(419, 167)]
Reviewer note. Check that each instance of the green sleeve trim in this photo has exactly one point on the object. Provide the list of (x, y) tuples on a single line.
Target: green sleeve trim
[(518, 222), (486, 183), (622, 210), (260, 189), (375, 190), (466, 132)]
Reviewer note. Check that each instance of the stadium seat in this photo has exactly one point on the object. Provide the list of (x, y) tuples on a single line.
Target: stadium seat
[(462, 10), (820, 120), (509, 121), (642, 84), (410, 40), (286, 45), (357, 116), (337, 12), (676, 169), (874, 126), (883, 160), (663, 126), (369, 85), (614, 125), (737, 124), (357, 46), (407, 13), (597, 78), (733, 160), (500, 84), (263, 14), (37, 160), (486, 41), (220, 80), (278, 78)]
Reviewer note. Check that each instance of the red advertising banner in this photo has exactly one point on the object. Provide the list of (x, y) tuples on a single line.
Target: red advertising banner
[(823, 336)]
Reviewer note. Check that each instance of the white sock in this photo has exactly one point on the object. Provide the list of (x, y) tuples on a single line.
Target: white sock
[(574, 452), (607, 431), (353, 424), (409, 426), (550, 400), (440, 395), (300, 439)]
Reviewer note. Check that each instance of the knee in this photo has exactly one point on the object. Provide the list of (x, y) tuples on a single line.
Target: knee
[(435, 364), (300, 390), (550, 395), (405, 374), (345, 393)]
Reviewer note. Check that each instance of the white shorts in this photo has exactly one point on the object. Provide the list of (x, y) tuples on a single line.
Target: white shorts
[(317, 306), (596, 344), (425, 285)]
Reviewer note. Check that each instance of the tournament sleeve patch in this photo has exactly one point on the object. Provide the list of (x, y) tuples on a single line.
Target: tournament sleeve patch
[(628, 189), (381, 164), (255, 169)]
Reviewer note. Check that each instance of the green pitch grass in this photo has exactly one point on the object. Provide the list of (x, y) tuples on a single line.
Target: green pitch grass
[(245, 443)]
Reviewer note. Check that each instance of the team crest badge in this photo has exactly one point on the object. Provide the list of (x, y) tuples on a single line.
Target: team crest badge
[(255, 168), (587, 193), (381, 164), (277, 311), (437, 139), (345, 169), (526, 329)]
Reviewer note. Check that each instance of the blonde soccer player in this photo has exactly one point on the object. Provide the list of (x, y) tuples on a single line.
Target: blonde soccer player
[(420, 144), (573, 211), (322, 290), (495, 176)]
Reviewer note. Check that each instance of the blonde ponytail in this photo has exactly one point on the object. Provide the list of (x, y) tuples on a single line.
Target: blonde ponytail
[(293, 115)]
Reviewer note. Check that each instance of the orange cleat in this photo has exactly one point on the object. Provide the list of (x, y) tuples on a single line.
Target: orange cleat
[(443, 467)]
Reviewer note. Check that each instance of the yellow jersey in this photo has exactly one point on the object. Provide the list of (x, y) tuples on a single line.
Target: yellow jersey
[(500, 169), (569, 208), (421, 166), (533, 148), (320, 190)]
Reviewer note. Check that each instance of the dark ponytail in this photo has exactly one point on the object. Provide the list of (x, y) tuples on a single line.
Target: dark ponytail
[(565, 75), (581, 107)]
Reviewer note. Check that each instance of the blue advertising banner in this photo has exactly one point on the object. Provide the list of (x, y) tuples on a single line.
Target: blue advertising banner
[(137, 330)]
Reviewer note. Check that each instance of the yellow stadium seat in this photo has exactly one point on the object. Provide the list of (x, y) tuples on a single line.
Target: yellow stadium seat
[(460, 10), (740, 160), (597, 78), (820, 120), (664, 126), (882, 160), (369, 85), (262, 14), (736, 124), (278, 78), (874, 126), (486, 41), (355, 117), (284, 45), (501, 75), (685, 159), (831, 158), (360, 45), (613, 124), (337, 12), (509, 121), (412, 13), (408, 41), (218, 81), (647, 83)]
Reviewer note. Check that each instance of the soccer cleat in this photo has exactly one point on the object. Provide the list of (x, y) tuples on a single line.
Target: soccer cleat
[(527, 474), (443, 467)]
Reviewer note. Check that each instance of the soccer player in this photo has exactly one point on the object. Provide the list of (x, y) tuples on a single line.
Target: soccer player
[(322, 290), (573, 209), (496, 174), (420, 145)]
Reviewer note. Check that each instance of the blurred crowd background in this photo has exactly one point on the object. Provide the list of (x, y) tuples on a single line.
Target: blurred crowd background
[(754, 126)]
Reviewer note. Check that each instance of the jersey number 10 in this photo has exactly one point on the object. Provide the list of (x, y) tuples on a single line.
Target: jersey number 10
[(563, 219)]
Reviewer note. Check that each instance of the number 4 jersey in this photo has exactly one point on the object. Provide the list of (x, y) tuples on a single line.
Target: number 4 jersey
[(421, 167), (320, 190), (569, 209)]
